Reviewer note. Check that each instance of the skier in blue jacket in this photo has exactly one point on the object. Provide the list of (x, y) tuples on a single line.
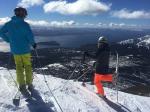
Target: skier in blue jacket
[(20, 37)]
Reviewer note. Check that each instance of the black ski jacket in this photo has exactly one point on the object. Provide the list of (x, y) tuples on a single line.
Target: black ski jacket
[(102, 59)]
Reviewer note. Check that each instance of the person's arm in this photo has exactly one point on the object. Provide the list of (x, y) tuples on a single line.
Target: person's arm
[(95, 55), (3, 33), (90, 55)]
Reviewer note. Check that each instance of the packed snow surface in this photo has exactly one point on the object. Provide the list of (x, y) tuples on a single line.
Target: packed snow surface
[(71, 96)]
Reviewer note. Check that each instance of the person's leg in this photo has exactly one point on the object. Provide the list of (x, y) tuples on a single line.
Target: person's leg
[(107, 77), (28, 68), (98, 84), (19, 70)]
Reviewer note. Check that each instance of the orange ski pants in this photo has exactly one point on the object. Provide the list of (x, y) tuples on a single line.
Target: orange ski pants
[(98, 81)]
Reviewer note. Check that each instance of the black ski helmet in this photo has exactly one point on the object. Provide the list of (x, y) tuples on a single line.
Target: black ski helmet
[(20, 12)]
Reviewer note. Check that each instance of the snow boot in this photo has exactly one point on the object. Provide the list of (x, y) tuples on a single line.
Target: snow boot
[(22, 88), (30, 87), (101, 96), (83, 84), (24, 91)]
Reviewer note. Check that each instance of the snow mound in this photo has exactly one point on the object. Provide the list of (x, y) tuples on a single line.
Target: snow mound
[(56, 65), (145, 41)]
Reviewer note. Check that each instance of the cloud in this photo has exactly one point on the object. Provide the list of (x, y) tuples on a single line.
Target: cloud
[(63, 23), (88, 24), (127, 14), (71, 23), (4, 47), (4, 20), (117, 25), (38, 23), (105, 25), (30, 3), (113, 25), (79, 7), (134, 27), (43, 23)]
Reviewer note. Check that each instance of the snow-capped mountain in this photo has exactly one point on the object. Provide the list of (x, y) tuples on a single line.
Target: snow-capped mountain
[(142, 41), (71, 97), (128, 41)]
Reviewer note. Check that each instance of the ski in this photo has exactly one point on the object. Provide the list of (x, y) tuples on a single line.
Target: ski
[(102, 97)]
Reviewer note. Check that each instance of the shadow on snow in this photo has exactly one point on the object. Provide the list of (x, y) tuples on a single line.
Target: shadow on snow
[(38, 105)]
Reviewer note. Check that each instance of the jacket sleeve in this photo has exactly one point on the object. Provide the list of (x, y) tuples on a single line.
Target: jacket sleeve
[(3, 33), (30, 35), (91, 55), (96, 54)]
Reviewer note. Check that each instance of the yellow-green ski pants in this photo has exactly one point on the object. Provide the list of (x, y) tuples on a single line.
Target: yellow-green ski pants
[(23, 69)]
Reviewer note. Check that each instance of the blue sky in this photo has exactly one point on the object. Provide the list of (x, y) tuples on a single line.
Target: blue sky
[(101, 13)]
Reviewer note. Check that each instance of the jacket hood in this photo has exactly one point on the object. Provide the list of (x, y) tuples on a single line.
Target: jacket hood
[(17, 19)]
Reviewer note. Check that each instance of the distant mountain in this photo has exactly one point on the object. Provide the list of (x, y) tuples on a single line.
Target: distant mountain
[(51, 43), (90, 35), (143, 41)]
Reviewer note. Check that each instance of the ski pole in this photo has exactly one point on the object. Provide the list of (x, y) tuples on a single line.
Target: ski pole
[(47, 83), (87, 70), (82, 61), (117, 64), (15, 82), (66, 82)]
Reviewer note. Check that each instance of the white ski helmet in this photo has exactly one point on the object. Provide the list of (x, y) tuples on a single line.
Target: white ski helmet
[(102, 39)]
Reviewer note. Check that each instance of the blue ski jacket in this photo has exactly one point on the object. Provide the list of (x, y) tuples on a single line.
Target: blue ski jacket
[(18, 33)]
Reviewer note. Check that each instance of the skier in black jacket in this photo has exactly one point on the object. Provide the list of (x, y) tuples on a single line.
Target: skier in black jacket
[(102, 65)]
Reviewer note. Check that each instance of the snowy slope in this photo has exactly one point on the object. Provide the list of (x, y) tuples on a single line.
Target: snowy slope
[(71, 96)]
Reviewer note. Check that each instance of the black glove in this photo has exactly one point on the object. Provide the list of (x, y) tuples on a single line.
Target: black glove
[(86, 53), (34, 45)]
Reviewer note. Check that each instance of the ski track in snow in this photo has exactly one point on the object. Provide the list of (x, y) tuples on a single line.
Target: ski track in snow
[(71, 96)]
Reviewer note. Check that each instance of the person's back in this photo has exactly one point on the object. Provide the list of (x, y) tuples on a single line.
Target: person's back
[(19, 35), (102, 58)]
